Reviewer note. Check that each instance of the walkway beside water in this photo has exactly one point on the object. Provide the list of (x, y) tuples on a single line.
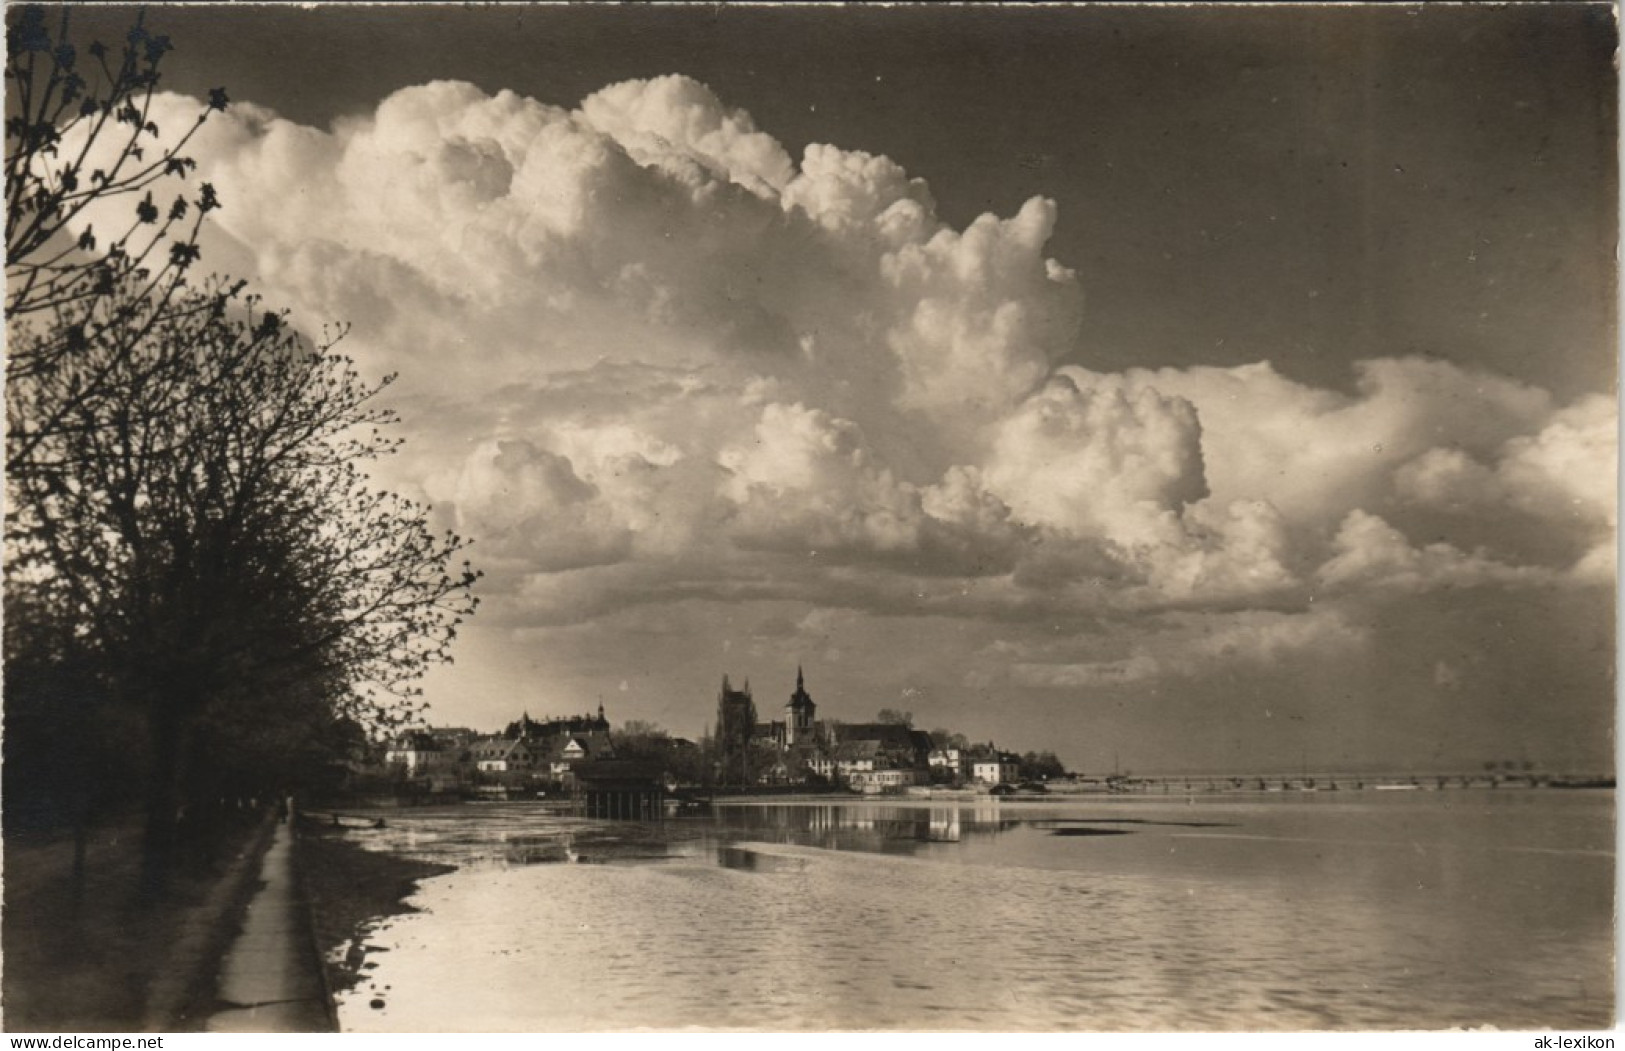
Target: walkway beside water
[(271, 980)]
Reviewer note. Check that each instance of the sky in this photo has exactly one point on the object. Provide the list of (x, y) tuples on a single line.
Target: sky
[(1173, 388)]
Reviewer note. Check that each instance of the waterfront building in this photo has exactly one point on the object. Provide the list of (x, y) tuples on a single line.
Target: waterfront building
[(995, 768), (775, 735), (786, 751), (418, 752), (525, 726), (874, 781), (498, 754), (847, 759), (896, 745), (453, 739)]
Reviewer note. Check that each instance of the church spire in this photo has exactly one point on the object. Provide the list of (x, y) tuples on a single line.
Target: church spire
[(798, 714)]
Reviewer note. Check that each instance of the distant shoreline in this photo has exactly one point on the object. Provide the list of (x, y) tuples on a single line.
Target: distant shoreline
[(1164, 789), (363, 812)]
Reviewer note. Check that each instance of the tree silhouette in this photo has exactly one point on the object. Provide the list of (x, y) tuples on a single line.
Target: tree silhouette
[(200, 533), (1040, 766), (81, 144)]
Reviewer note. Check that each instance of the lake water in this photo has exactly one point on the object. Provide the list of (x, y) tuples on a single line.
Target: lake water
[(1350, 910)]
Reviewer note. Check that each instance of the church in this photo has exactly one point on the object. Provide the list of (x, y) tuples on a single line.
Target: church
[(736, 710), (799, 744)]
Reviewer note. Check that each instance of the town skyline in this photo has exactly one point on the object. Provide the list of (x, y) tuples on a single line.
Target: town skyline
[(1120, 759), (1226, 388)]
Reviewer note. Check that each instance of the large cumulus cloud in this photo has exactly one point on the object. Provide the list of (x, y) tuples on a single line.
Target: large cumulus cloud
[(649, 357)]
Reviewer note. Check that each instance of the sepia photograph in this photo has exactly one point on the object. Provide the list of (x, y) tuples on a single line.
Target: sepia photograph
[(774, 518)]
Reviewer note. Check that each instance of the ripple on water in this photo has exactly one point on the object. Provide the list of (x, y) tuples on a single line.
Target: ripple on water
[(756, 935)]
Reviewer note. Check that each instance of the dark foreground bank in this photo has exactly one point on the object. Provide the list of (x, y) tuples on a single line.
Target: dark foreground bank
[(351, 889), (85, 950)]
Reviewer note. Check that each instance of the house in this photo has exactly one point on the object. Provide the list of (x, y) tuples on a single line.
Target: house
[(497, 754), (777, 772), (848, 758), (419, 752), (544, 729), (871, 782), (773, 733), (897, 744), (995, 768), (578, 747), (946, 759), (571, 751), (453, 738)]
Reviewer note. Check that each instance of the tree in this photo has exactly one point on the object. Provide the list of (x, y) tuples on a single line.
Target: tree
[(1040, 766), (638, 739), (199, 533), (687, 762), (81, 144), (894, 717)]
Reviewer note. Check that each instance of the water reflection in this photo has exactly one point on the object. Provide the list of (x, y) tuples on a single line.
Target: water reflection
[(747, 860), (876, 829), (516, 835), (1339, 912)]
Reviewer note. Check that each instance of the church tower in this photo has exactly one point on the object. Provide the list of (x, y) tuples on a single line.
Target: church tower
[(798, 714)]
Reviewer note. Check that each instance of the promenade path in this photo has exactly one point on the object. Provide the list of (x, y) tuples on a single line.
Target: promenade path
[(270, 979)]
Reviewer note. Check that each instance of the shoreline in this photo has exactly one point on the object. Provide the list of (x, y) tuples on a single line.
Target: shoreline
[(350, 891)]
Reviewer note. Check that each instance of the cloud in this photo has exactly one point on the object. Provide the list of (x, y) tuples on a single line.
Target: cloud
[(1267, 638), (671, 120), (986, 313), (529, 508), (1092, 459), (808, 481), (1317, 454), (1372, 553), (1552, 492), (1565, 471), (849, 191), (1450, 480), (1089, 461), (1234, 553), (649, 356), (1570, 469), (1097, 673), (1178, 648)]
